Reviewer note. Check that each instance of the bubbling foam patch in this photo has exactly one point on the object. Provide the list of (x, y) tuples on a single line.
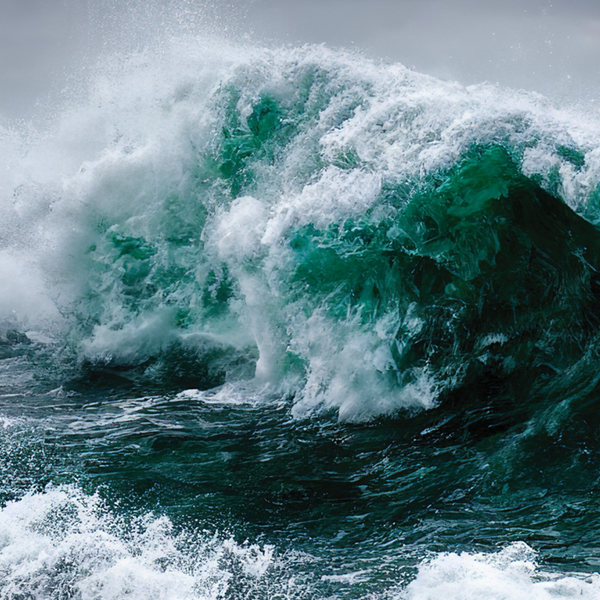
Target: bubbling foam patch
[(63, 543), (511, 574)]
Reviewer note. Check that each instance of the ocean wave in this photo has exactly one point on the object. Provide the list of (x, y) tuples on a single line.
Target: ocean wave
[(307, 217)]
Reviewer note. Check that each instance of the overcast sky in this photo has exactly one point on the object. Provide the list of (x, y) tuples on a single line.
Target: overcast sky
[(552, 47)]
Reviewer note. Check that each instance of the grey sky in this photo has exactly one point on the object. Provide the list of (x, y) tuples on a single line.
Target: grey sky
[(548, 46)]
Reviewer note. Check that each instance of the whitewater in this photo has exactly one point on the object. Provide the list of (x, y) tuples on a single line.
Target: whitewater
[(283, 322)]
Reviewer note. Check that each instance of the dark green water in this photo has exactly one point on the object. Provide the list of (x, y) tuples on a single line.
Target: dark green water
[(310, 337)]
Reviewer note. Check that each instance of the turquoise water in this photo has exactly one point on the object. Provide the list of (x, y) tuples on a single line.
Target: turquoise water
[(288, 323)]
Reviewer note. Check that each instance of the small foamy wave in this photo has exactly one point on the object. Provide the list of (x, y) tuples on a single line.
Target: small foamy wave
[(64, 543), (510, 574)]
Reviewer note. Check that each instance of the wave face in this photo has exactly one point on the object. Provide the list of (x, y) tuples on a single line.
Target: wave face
[(297, 294)]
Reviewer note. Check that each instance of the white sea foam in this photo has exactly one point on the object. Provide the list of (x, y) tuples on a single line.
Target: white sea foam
[(63, 543), (361, 382), (233, 394), (510, 574)]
